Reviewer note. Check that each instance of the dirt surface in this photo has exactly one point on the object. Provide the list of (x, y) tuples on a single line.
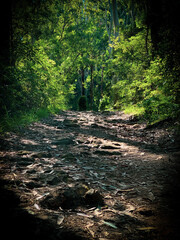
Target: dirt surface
[(86, 175)]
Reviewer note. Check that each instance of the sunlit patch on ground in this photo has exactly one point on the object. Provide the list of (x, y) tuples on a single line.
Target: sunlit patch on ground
[(85, 175)]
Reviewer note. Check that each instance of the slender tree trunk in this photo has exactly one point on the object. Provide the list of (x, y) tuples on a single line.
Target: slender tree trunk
[(102, 81), (109, 28), (82, 82), (92, 88), (146, 41), (111, 18), (115, 18)]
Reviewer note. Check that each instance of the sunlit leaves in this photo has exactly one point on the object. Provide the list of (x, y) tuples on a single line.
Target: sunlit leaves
[(138, 81), (53, 42)]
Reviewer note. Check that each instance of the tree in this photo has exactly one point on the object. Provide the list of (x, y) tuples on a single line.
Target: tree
[(114, 53), (115, 18)]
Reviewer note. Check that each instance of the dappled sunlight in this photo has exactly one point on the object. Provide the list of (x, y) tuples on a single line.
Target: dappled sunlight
[(44, 126), (77, 170), (29, 142), (89, 124)]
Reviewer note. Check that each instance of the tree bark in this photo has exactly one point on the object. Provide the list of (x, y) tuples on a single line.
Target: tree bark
[(92, 88), (82, 82), (102, 81), (115, 18), (109, 28), (146, 41)]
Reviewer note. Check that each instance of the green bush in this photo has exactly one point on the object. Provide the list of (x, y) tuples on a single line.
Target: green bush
[(104, 103), (82, 103), (21, 119), (159, 107)]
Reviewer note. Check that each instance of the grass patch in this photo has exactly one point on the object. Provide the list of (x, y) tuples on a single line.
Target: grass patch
[(151, 117), (22, 119)]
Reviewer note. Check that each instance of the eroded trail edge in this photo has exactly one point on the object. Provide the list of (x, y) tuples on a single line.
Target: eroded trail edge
[(86, 175)]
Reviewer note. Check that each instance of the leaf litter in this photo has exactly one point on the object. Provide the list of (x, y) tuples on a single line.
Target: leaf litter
[(102, 175)]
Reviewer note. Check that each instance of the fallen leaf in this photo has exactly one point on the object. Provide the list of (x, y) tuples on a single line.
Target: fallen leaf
[(108, 197), (130, 207), (38, 198), (124, 190), (37, 206), (109, 224), (97, 212), (88, 227), (90, 209), (23, 152), (60, 220), (30, 212), (146, 228), (85, 215), (43, 217)]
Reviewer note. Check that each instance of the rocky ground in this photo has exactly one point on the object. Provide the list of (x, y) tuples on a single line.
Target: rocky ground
[(87, 175)]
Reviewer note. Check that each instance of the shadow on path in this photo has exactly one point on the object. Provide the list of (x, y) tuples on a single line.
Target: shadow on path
[(18, 223)]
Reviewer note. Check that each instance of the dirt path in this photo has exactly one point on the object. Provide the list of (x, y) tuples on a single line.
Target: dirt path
[(85, 175)]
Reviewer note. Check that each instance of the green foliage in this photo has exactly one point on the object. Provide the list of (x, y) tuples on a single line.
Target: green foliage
[(104, 103), (22, 119), (159, 106), (127, 71), (135, 110), (141, 83), (57, 48)]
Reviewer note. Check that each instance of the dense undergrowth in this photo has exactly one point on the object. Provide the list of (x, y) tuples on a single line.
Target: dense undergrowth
[(22, 119), (106, 53)]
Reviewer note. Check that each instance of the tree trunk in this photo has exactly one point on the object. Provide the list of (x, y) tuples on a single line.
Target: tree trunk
[(82, 82), (146, 41), (109, 28), (102, 81), (115, 18), (92, 88)]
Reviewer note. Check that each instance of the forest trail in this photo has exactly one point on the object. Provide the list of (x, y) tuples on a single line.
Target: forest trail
[(90, 175)]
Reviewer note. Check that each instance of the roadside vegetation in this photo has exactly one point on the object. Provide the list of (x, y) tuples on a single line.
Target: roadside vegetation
[(116, 55)]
